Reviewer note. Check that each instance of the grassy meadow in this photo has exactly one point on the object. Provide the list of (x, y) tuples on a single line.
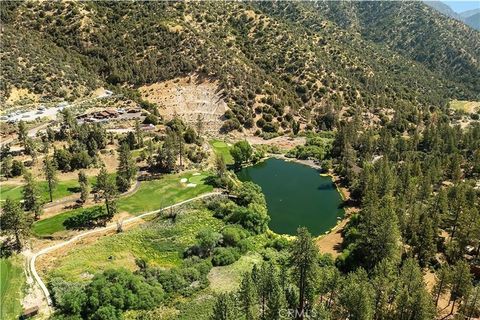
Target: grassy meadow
[(159, 242), (12, 281)]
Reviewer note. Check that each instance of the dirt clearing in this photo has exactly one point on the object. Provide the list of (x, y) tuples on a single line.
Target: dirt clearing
[(190, 98)]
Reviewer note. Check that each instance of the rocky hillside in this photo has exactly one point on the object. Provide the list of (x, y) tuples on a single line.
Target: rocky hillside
[(275, 62)]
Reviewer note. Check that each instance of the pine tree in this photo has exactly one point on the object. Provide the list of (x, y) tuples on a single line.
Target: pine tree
[(149, 154), (275, 300), (379, 234), (461, 283), (166, 158), (247, 296), (442, 285), (22, 133), (127, 169), (224, 308), (139, 134), (107, 190), (31, 196), (357, 296), (7, 166), (457, 203), (50, 172), (303, 257), (383, 280), (473, 304), (84, 186), (426, 235), (347, 162), (412, 301), (14, 222), (262, 285)]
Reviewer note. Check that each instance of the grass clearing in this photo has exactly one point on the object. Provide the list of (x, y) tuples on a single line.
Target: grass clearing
[(151, 195), (465, 106), (159, 242), (223, 149), (228, 278), (12, 281)]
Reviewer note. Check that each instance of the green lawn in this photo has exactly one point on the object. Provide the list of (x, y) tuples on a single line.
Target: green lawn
[(12, 281), (156, 194), (223, 149), (150, 196), (63, 189), (54, 224), (159, 242)]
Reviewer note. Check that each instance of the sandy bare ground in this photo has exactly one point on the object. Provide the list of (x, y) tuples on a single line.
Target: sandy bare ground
[(332, 243), (282, 142), (444, 306)]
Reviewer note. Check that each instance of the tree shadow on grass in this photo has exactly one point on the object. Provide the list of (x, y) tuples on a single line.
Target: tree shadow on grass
[(90, 218), (74, 189)]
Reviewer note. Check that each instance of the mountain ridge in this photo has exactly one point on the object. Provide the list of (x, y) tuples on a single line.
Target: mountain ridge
[(469, 17), (269, 58)]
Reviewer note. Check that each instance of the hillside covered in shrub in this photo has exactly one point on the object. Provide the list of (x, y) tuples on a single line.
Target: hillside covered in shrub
[(284, 60)]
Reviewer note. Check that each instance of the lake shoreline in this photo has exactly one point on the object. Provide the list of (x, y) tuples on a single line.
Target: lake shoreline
[(341, 195), (331, 241)]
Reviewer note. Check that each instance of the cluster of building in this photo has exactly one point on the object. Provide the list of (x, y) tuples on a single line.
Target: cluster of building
[(110, 114)]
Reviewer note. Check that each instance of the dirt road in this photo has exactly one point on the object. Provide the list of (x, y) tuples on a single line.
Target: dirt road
[(33, 257)]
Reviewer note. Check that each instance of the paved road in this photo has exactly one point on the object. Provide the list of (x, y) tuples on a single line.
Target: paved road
[(31, 262)]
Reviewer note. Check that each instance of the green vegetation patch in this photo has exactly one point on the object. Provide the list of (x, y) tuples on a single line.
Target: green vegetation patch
[(465, 106), (223, 149), (156, 194), (12, 283), (10, 191), (199, 308), (160, 243), (62, 189), (151, 195), (54, 224), (228, 278)]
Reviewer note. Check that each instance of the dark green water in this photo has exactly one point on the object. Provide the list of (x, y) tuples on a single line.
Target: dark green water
[(296, 195)]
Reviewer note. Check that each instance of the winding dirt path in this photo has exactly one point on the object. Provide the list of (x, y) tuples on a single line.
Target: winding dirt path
[(34, 256)]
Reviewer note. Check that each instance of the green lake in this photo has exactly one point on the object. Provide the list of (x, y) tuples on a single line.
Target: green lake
[(297, 195)]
